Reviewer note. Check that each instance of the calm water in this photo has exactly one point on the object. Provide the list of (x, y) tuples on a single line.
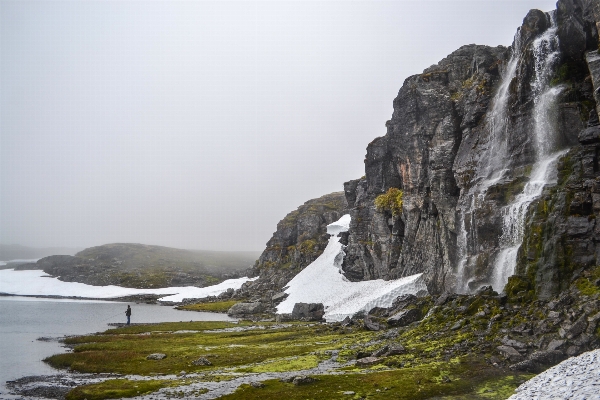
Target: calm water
[(23, 320)]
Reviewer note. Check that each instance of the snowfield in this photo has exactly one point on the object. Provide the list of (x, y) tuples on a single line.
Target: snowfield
[(577, 378), (37, 283), (323, 282)]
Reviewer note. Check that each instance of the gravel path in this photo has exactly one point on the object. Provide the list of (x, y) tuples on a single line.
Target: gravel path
[(577, 378)]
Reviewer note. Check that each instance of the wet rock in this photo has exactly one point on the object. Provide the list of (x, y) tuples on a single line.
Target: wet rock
[(308, 311), (201, 361), (156, 356), (405, 317)]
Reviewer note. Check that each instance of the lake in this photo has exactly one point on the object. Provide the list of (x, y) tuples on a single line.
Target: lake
[(24, 319)]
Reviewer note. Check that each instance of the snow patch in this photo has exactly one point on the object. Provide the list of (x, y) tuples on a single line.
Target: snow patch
[(37, 283), (575, 378), (323, 282)]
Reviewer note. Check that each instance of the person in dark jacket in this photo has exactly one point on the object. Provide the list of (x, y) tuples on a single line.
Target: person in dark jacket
[(128, 314)]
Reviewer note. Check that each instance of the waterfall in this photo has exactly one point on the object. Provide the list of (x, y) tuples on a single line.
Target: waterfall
[(494, 163), (495, 160), (546, 55)]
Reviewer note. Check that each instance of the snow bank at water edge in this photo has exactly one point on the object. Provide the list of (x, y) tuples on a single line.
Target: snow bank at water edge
[(575, 378), (37, 283), (323, 282)]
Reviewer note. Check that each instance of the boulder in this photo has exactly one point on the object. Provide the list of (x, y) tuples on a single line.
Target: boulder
[(156, 356), (201, 361), (371, 325), (303, 380), (308, 311), (539, 361), (510, 353), (367, 361), (405, 317), (241, 309)]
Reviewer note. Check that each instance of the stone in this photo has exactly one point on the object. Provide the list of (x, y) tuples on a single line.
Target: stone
[(242, 309), (308, 311), (348, 393), (555, 344), (201, 361), (258, 385), (279, 297), (513, 343), (405, 317), (395, 349), (577, 328), (539, 361), (573, 351), (303, 380), (156, 356), (509, 353), (381, 352), (370, 325), (367, 361)]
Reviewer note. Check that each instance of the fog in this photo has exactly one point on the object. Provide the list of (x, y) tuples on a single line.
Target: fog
[(202, 124)]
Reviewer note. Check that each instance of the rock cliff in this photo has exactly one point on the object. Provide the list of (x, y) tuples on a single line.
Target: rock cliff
[(470, 142), (299, 239)]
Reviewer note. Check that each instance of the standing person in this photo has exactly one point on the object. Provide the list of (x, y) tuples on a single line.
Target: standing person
[(128, 314)]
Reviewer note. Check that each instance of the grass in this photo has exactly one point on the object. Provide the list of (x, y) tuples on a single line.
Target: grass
[(439, 362), (217, 306), (469, 377), (115, 389)]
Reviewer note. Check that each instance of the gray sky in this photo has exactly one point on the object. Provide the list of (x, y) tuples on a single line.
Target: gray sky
[(201, 124)]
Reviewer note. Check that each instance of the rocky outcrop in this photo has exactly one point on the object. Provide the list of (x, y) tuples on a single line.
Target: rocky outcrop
[(299, 239), (308, 311)]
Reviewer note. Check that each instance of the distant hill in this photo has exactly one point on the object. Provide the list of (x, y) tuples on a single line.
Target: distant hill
[(146, 266)]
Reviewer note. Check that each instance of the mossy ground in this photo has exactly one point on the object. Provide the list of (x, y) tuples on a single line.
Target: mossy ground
[(115, 389), (440, 359), (216, 306), (466, 379)]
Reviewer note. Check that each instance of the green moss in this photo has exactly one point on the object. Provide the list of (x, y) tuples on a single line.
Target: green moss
[(390, 201), (516, 285), (285, 364), (115, 389), (217, 306), (421, 382)]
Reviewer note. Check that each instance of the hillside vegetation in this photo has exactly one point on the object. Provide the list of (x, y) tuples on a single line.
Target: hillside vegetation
[(145, 266)]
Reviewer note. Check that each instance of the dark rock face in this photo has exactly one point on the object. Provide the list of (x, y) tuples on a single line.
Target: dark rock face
[(245, 309), (405, 317), (308, 311), (300, 238), (437, 148)]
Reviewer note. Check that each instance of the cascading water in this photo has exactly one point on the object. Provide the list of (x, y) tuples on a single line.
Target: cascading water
[(546, 55), (495, 159)]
